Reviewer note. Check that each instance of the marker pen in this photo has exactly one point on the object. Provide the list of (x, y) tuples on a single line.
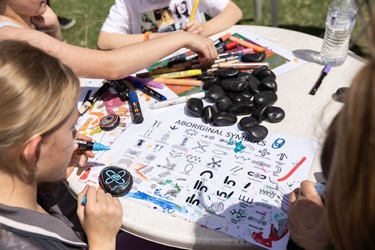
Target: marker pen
[(240, 65), (91, 100), (121, 88), (135, 107), (222, 39), (321, 190), (89, 145), (235, 53), (178, 100), (147, 90), (226, 59), (245, 44), (182, 59), (224, 47), (182, 82), (180, 74), (146, 82), (323, 74), (83, 201)]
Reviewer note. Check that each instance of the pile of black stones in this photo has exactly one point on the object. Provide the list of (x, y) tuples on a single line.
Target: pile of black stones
[(235, 93)]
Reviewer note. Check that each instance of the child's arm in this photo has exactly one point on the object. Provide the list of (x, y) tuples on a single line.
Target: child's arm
[(101, 218), (49, 23), (227, 18)]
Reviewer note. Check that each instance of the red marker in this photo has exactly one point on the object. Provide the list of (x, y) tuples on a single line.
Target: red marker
[(226, 47), (222, 39)]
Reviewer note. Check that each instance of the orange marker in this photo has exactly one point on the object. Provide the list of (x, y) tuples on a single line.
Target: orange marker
[(245, 44), (181, 82)]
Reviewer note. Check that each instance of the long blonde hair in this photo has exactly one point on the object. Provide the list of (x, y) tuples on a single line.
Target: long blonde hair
[(37, 92), (351, 183)]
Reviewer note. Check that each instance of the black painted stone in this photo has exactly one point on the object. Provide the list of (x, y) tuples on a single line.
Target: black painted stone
[(223, 118), (195, 106), (257, 132), (223, 103), (208, 114), (268, 83), (242, 108), (263, 73), (247, 94), (265, 97), (253, 85), (247, 122), (275, 114), (234, 85), (243, 76), (214, 92), (260, 113), (208, 82), (115, 180), (254, 57), (236, 97), (228, 73)]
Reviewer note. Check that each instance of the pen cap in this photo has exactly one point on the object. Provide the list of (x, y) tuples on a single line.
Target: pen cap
[(327, 68)]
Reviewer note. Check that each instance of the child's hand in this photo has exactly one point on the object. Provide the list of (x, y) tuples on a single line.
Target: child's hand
[(79, 155), (203, 46), (193, 27), (307, 221), (101, 217)]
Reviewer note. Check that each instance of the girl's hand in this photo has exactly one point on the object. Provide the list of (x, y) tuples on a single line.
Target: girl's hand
[(194, 27)]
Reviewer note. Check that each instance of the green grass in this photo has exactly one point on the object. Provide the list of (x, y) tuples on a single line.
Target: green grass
[(306, 16)]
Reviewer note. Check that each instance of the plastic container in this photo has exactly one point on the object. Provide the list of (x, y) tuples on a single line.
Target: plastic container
[(340, 22)]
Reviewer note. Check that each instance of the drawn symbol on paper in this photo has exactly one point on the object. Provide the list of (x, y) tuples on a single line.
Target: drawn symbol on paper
[(173, 127), (278, 143), (216, 207), (239, 147), (282, 155), (199, 186), (207, 172), (263, 214), (214, 163), (150, 157), (192, 201), (165, 137), (226, 196), (229, 182), (278, 171), (153, 186), (138, 180), (200, 147), (173, 192), (259, 228), (188, 168), (264, 152), (293, 169), (256, 175), (175, 154), (169, 166), (193, 158), (261, 164), (140, 142), (184, 141), (158, 148), (156, 124), (219, 152), (237, 216), (246, 199), (164, 174), (236, 169), (191, 132), (242, 157), (133, 152), (268, 193), (262, 204), (259, 221), (247, 185)]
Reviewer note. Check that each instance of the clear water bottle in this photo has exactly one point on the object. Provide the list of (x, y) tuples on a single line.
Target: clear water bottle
[(340, 22)]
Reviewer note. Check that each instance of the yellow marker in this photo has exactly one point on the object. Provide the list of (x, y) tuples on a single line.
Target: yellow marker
[(194, 10), (180, 74)]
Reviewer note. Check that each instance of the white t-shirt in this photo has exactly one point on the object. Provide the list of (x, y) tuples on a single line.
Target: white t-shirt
[(139, 16)]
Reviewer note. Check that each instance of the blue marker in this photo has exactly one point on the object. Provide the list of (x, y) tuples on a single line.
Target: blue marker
[(83, 201), (88, 145), (321, 190), (147, 90), (135, 107)]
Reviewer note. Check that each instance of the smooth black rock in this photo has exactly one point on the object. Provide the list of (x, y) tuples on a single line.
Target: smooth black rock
[(243, 76), (115, 180), (275, 114), (223, 103), (214, 92), (263, 73), (256, 71), (195, 106), (234, 85), (265, 97), (205, 76), (228, 73), (223, 118), (254, 57), (268, 83), (257, 132), (253, 84), (242, 108), (247, 94), (208, 114), (208, 82), (236, 97), (260, 113), (247, 122)]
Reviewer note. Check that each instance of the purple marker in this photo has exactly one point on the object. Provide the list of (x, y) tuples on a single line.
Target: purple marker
[(323, 74), (147, 82)]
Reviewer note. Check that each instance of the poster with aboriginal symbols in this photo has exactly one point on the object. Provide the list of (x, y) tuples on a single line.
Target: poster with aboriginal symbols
[(214, 176)]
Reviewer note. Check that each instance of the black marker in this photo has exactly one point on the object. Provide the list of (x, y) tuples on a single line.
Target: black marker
[(148, 91), (323, 74), (122, 89), (91, 100), (135, 107)]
